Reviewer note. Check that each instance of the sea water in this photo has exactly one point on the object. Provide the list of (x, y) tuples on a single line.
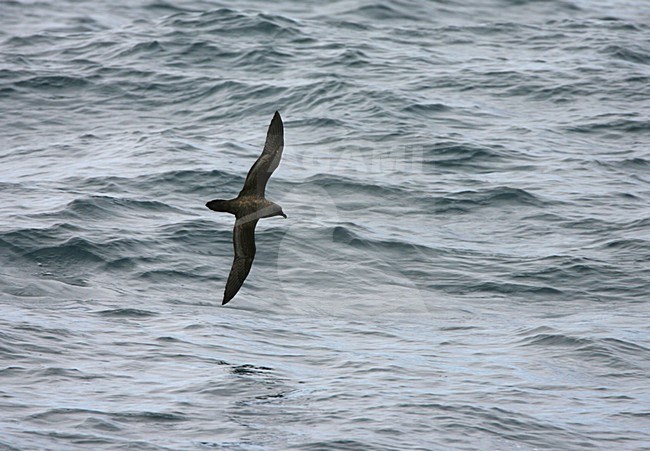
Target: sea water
[(466, 259)]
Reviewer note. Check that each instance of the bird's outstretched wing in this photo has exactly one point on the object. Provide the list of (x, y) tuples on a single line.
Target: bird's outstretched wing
[(261, 171), (243, 238)]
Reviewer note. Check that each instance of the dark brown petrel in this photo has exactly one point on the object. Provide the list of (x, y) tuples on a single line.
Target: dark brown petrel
[(250, 206)]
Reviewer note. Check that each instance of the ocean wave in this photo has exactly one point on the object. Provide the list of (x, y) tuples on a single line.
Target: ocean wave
[(345, 235), (127, 313), (75, 251), (71, 254), (339, 185), (426, 109), (515, 289), (195, 233), (615, 353), (626, 164), (32, 239), (161, 5), (632, 55), (383, 12), (638, 246), (139, 49), (156, 185), (619, 125), (226, 22), (103, 207), (172, 276), (53, 82), (463, 156), (343, 189), (490, 197)]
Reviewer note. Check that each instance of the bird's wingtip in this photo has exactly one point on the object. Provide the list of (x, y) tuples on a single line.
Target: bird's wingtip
[(275, 127)]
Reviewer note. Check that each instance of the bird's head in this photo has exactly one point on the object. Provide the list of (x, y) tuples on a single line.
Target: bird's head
[(273, 210)]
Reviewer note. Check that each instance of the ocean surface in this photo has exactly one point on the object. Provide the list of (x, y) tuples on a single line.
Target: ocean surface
[(466, 259)]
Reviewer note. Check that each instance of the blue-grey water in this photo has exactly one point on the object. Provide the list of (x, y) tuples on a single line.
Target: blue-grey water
[(466, 262)]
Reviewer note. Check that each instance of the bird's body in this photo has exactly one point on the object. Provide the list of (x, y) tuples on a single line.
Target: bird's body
[(250, 206)]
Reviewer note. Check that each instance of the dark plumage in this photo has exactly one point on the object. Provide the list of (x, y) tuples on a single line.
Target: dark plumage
[(250, 206)]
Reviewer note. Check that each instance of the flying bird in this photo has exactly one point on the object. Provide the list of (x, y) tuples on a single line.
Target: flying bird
[(250, 206)]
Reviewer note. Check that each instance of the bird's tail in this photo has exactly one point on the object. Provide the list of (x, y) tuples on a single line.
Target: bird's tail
[(220, 205)]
